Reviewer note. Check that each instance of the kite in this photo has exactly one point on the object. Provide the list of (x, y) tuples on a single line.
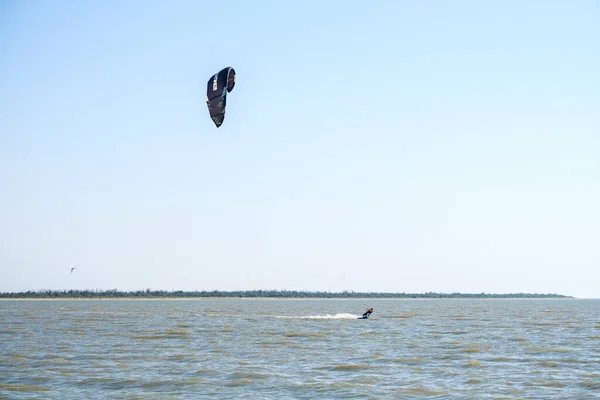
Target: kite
[(217, 88)]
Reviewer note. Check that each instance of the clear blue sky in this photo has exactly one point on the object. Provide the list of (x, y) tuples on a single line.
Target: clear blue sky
[(369, 146)]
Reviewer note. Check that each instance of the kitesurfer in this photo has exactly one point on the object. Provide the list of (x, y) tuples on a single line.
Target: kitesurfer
[(368, 312)]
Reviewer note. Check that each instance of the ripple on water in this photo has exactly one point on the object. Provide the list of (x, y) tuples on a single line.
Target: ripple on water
[(24, 388), (542, 350), (545, 383), (590, 384), (409, 360), (472, 363), (421, 391), (168, 334), (346, 367)]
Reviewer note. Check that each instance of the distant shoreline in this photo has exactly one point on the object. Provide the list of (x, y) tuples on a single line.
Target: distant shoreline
[(280, 298), (148, 294)]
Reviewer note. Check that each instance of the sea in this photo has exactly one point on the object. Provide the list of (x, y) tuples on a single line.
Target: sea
[(300, 349)]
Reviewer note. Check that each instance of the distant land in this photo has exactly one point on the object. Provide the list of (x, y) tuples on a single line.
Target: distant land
[(248, 294)]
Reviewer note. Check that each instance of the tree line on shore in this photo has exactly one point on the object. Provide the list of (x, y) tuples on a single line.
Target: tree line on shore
[(148, 293)]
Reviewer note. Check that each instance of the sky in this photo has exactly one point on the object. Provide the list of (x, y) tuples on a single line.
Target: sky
[(392, 146)]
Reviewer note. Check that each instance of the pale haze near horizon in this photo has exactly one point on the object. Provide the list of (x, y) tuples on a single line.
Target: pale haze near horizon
[(398, 146)]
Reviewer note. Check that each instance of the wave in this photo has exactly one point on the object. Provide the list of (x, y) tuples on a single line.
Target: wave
[(326, 316)]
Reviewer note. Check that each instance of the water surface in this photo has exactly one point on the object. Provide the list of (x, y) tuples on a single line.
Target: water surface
[(299, 349)]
